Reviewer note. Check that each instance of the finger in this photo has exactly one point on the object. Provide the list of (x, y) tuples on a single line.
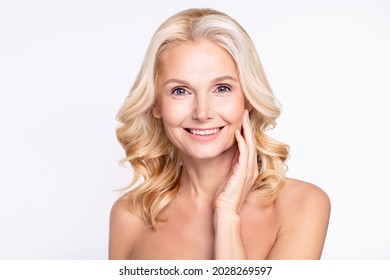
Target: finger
[(235, 159), (251, 146), (243, 151), (239, 171)]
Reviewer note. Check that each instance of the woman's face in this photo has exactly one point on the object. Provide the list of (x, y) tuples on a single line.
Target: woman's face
[(199, 98)]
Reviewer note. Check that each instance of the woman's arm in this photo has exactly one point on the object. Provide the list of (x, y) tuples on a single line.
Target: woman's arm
[(228, 243), (124, 230), (227, 224)]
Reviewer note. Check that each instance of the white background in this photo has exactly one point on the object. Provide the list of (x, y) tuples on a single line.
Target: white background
[(66, 67)]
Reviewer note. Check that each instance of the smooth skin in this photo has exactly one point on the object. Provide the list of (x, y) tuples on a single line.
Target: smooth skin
[(215, 216)]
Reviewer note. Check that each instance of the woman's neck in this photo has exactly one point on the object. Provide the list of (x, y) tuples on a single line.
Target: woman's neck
[(204, 178)]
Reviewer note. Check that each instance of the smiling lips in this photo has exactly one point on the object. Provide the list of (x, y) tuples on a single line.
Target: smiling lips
[(203, 132)]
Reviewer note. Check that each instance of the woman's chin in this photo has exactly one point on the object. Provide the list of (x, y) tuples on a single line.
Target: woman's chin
[(208, 154)]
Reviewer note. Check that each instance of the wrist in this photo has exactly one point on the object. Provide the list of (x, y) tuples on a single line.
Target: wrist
[(226, 212), (226, 217)]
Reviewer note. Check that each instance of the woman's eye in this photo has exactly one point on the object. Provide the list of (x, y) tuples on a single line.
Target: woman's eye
[(223, 88), (179, 91)]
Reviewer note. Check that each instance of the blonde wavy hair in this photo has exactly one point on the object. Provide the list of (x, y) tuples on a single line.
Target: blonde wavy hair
[(151, 155)]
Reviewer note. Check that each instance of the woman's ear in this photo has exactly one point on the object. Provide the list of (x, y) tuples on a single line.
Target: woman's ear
[(248, 106), (156, 111)]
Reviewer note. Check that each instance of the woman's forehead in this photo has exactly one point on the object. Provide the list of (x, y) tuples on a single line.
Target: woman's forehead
[(203, 59)]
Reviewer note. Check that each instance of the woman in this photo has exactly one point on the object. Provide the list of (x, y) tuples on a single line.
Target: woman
[(214, 184)]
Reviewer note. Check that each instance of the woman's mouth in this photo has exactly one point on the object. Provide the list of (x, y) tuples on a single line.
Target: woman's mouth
[(203, 132)]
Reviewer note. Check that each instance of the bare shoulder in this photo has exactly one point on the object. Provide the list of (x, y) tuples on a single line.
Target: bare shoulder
[(297, 194), (125, 229), (303, 210)]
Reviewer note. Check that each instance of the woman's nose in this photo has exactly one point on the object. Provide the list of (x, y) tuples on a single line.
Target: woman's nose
[(202, 107)]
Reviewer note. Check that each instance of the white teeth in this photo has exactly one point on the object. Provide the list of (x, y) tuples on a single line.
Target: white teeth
[(204, 132)]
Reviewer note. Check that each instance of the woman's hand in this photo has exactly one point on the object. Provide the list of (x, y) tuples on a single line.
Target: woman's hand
[(243, 173)]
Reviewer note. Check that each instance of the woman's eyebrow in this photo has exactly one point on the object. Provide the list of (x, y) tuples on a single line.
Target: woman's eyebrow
[(176, 81), (216, 80), (224, 78)]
